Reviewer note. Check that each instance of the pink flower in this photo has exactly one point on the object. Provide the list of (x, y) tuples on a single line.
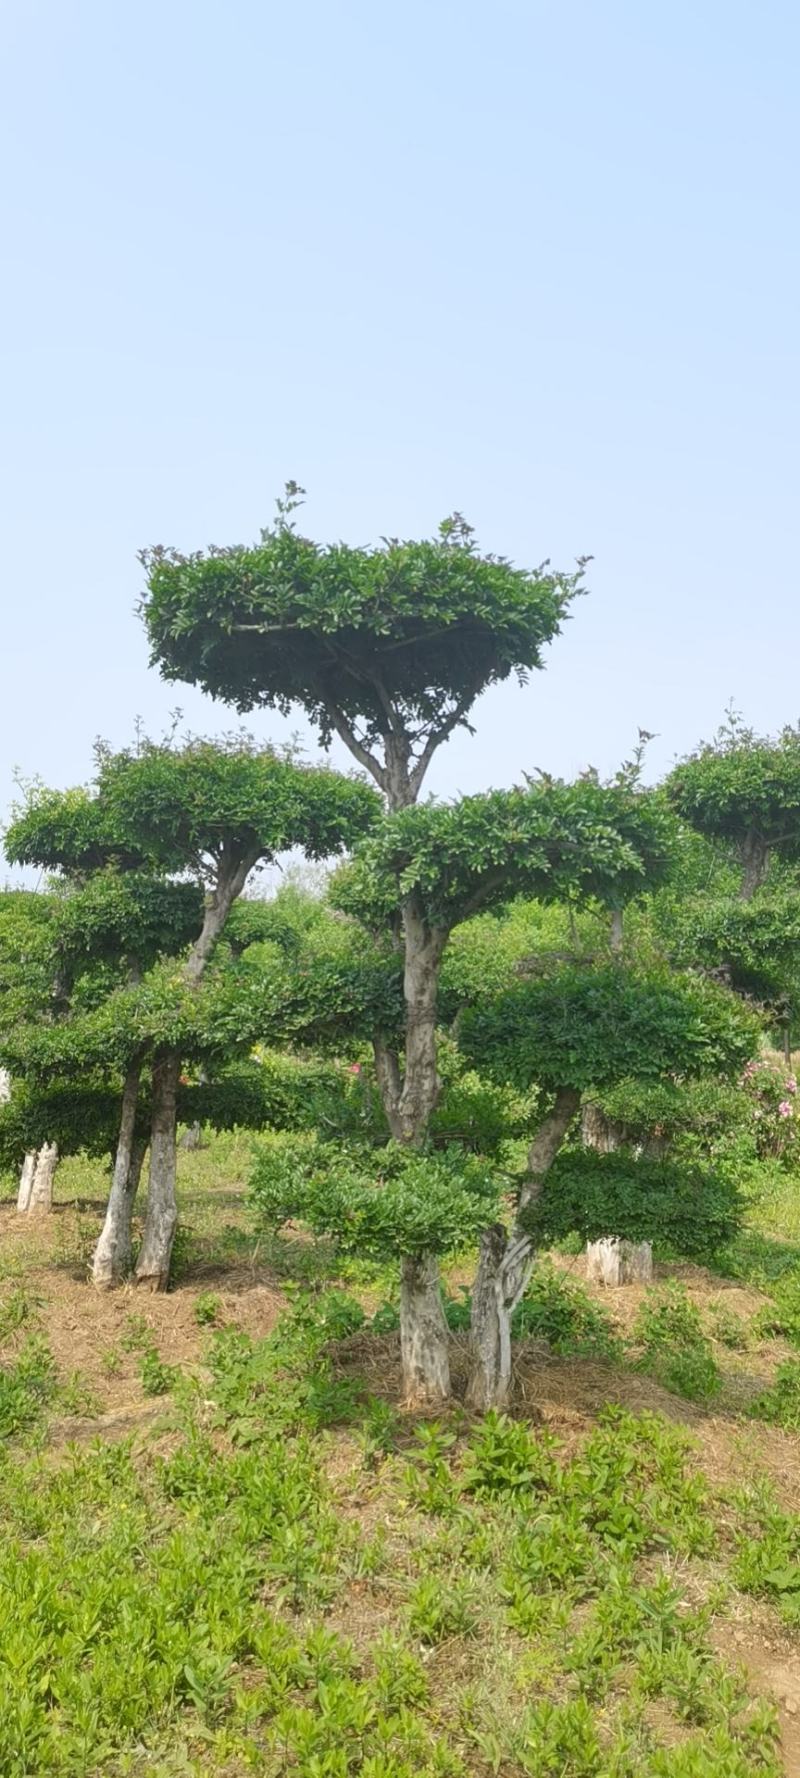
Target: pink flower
[(784, 1109), (355, 1068), (791, 1084)]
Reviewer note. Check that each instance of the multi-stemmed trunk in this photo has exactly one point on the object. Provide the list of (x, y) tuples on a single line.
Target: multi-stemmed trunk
[(114, 1252), (505, 1264)]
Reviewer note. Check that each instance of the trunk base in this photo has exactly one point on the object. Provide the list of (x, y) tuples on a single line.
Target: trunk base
[(424, 1337), (613, 1262), (489, 1381)]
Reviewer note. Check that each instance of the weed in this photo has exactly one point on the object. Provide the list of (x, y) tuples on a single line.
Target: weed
[(379, 1428), (207, 1308), (729, 1329), (506, 1458), (437, 1611), (157, 1378), (136, 1336), (27, 1384)]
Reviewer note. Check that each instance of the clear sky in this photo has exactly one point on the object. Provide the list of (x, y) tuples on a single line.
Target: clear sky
[(535, 259)]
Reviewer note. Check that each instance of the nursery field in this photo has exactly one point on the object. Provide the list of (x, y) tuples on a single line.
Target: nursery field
[(227, 1549)]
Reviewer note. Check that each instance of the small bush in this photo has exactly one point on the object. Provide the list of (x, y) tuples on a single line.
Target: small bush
[(675, 1348), (560, 1311)]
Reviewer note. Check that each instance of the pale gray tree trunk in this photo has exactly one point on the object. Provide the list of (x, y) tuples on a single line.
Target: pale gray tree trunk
[(409, 1099), (424, 1340), (40, 1194), (598, 1131), (161, 1220), (26, 1180), (505, 1264), (614, 1262), (113, 1254), (617, 933)]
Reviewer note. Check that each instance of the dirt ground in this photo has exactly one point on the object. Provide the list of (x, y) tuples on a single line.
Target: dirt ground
[(90, 1333)]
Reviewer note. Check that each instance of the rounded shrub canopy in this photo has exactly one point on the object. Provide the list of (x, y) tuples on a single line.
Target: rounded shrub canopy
[(743, 788), (586, 1028)]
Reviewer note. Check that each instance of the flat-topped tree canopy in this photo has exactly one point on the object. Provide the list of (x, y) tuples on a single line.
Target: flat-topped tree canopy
[(744, 789), (548, 839), (387, 647), (72, 831), (214, 807)]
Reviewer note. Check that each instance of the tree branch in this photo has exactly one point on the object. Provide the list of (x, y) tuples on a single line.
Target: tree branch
[(435, 740), (348, 735)]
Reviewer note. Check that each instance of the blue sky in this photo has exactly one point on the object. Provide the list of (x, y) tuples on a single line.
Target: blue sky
[(536, 261)]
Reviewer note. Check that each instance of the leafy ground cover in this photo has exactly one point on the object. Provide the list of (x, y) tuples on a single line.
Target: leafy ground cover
[(226, 1549)]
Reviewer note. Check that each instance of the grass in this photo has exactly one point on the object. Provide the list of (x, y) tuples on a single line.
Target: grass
[(281, 1573)]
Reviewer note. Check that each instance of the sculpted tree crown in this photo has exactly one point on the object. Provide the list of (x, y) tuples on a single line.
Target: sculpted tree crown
[(585, 1028), (743, 788), (548, 839), (387, 647)]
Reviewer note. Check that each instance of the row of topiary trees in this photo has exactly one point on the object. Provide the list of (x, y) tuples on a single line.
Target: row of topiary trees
[(134, 975)]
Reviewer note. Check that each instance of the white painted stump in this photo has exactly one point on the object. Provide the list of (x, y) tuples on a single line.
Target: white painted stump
[(614, 1262)]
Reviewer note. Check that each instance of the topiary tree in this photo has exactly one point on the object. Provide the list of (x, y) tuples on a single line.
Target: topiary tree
[(388, 648), (573, 1031), (550, 838), (744, 790), (215, 811)]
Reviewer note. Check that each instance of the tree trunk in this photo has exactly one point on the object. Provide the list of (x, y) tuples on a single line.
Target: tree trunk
[(424, 1338), (192, 1137), (617, 935), (152, 1266), (505, 1265), (26, 1180), (755, 864), (40, 1196), (423, 1329), (613, 1262), (598, 1131), (114, 1253)]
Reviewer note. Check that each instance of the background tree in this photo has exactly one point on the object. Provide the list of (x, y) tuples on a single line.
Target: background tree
[(215, 812), (571, 1032), (744, 790)]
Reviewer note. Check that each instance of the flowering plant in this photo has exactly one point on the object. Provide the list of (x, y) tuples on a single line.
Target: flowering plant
[(775, 1107)]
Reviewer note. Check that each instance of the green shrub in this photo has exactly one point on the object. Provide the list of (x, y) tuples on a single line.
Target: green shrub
[(693, 1210), (675, 1348), (557, 1309), (780, 1404)]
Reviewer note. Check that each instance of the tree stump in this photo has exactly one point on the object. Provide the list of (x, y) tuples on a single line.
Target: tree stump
[(614, 1262)]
